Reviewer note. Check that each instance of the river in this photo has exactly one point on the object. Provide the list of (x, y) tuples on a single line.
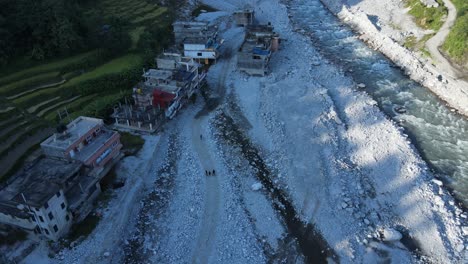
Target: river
[(438, 134)]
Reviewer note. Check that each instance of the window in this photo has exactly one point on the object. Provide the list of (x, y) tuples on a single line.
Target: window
[(46, 205), (62, 205), (40, 218), (199, 54), (46, 231), (67, 218), (55, 228), (58, 194), (51, 216)]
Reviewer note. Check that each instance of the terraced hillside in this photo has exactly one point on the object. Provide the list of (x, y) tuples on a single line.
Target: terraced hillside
[(90, 83)]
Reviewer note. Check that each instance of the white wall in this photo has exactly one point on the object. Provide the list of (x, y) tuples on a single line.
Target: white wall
[(59, 215), (204, 54)]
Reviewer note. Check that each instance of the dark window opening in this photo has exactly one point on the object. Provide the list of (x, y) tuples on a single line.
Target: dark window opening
[(46, 205), (62, 205), (51, 216), (55, 228), (199, 54), (40, 218), (46, 231), (58, 194)]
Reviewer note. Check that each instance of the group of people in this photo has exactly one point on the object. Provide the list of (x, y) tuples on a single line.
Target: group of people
[(210, 173)]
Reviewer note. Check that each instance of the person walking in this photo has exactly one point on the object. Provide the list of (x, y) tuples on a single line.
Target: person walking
[(206, 173), (209, 173), (201, 137), (214, 172)]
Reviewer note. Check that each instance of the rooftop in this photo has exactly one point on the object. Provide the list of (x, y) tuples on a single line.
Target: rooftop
[(158, 74), (87, 151), (38, 183), (75, 130)]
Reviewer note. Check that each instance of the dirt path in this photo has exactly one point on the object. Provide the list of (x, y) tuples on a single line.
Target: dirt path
[(207, 233), (438, 39), (36, 88)]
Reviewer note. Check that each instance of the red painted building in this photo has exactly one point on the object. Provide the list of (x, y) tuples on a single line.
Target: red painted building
[(87, 140)]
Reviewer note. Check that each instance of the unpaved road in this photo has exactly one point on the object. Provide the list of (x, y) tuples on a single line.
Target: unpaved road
[(438, 39), (207, 233)]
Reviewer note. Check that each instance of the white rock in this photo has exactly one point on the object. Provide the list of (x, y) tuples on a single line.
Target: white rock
[(256, 186), (106, 254), (390, 234), (437, 182), (361, 85), (367, 222)]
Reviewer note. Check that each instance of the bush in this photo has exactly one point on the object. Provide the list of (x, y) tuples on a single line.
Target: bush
[(131, 143), (427, 17)]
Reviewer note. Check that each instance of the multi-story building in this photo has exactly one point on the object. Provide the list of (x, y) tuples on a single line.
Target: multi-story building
[(85, 139), (254, 55), (35, 200), (52, 192)]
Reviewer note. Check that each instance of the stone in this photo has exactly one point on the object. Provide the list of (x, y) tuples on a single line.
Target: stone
[(256, 186), (390, 234)]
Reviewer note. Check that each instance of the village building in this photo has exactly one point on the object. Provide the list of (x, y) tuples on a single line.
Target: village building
[(199, 41), (244, 17), (255, 53), (58, 189), (87, 140), (185, 29), (162, 93)]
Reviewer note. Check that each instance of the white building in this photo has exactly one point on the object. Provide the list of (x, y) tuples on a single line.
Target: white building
[(36, 199)]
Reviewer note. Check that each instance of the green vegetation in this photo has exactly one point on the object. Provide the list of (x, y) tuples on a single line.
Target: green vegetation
[(456, 43), (24, 84), (84, 228), (131, 143), (410, 42), (99, 48), (427, 17)]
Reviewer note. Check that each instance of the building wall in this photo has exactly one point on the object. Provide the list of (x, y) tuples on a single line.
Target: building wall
[(109, 149), (201, 54), (16, 221), (59, 215), (194, 47)]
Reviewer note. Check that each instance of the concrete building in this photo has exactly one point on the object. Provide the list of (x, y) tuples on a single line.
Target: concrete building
[(199, 41), (254, 55), (164, 91), (202, 49), (185, 29), (35, 200), (87, 140), (54, 191), (244, 17)]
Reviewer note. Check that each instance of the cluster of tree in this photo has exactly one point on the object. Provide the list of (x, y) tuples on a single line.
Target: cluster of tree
[(42, 29)]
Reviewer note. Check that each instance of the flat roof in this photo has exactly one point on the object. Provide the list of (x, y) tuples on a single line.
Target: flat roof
[(39, 182), (97, 142), (75, 130), (158, 74)]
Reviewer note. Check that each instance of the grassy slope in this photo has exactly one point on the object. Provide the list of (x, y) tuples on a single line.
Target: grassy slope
[(141, 15), (456, 44), (428, 18)]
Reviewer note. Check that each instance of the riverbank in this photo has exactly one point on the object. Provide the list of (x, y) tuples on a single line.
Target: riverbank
[(379, 32)]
